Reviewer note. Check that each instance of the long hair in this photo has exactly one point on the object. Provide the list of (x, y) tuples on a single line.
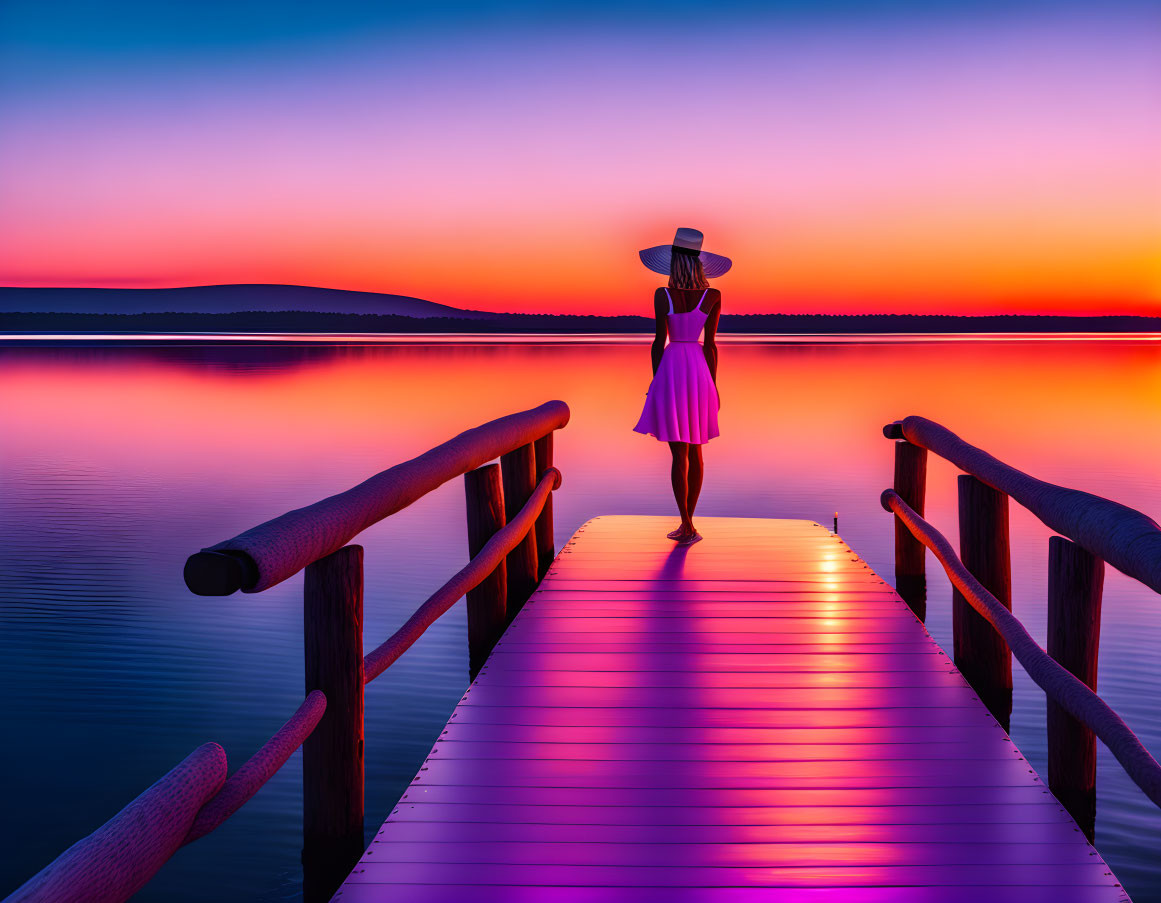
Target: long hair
[(686, 271)]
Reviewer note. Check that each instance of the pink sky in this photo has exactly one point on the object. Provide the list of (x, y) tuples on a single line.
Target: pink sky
[(935, 167)]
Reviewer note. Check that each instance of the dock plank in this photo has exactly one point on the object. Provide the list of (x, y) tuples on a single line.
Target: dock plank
[(757, 717)]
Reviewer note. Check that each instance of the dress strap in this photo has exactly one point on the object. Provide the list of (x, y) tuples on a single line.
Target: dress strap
[(670, 297), (703, 294)]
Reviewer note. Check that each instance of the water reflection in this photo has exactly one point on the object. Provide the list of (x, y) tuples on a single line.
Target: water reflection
[(116, 463)]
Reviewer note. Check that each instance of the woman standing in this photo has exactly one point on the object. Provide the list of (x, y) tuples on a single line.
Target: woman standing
[(681, 407)]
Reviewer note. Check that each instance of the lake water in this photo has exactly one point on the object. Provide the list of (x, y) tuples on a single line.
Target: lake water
[(118, 461)]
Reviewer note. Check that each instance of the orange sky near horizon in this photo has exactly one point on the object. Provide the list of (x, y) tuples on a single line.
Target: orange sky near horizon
[(974, 165)]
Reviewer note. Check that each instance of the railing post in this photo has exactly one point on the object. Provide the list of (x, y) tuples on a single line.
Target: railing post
[(910, 555), (518, 468), (487, 602), (332, 756), (1075, 581), (545, 542), (980, 652)]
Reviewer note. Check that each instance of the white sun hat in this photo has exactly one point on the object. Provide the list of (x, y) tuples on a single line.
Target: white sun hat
[(686, 241)]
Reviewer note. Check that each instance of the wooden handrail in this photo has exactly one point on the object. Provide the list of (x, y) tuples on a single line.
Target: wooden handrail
[(278, 549), (193, 799), (151, 828), (259, 768), (472, 575), (1056, 681), (1124, 537), (119, 858)]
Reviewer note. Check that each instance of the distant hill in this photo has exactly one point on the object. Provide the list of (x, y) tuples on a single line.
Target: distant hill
[(548, 324), (221, 299), (297, 308)]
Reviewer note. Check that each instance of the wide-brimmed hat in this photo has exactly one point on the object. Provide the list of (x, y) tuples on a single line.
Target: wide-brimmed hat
[(686, 241)]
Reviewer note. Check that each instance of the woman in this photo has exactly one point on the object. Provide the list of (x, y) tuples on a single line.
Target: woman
[(681, 406)]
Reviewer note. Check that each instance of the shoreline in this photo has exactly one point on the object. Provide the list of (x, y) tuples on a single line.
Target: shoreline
[(569, 338), (300, 322)]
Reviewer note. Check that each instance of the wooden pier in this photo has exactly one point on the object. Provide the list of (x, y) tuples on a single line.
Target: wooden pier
[(758, 716)]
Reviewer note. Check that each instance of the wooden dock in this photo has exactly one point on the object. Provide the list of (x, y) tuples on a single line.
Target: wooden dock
[(756, 717)]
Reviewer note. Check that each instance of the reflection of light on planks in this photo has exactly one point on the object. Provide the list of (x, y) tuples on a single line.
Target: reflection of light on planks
[(756, 717)]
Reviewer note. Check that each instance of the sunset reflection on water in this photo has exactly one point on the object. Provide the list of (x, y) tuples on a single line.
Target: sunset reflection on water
[(118, 462)]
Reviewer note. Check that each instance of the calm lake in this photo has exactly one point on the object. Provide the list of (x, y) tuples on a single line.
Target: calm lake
[(117, 461)]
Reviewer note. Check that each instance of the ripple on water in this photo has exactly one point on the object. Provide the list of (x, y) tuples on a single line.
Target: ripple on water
[(115, 464)]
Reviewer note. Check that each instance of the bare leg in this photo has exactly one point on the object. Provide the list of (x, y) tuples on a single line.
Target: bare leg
[(679, 478), (696, 470)]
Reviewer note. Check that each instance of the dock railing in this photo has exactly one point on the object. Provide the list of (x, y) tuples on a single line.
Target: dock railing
[(985, 632), (508, 557)]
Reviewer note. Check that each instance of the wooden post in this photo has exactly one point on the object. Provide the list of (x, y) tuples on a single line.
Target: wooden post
[(486, 603), (545, 541), (1075, 581), (980, 653), (518, 468), (910, 555), (332, 756)]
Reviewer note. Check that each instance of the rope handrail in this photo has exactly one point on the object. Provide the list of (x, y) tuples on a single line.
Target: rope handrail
[(468, 578), (1124, 537), (188, 802), (1056, 681), (273, 551)]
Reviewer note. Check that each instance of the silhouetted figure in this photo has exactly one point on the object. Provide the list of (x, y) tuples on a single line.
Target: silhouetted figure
[(681, 406)]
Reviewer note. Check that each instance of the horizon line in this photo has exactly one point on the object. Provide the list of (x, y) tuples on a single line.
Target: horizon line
[(815, 313)]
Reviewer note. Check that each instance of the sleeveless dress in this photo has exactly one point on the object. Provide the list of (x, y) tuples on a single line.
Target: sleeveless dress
[(682, 404)]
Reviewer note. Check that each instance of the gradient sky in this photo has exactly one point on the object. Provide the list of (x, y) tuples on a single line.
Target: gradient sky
[(962, 157)]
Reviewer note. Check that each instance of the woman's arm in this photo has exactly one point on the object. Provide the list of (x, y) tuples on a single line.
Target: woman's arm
[(710, 344), (661, 313)]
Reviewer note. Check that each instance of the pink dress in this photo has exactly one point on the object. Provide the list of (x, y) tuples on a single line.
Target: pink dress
[(682, 404)]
